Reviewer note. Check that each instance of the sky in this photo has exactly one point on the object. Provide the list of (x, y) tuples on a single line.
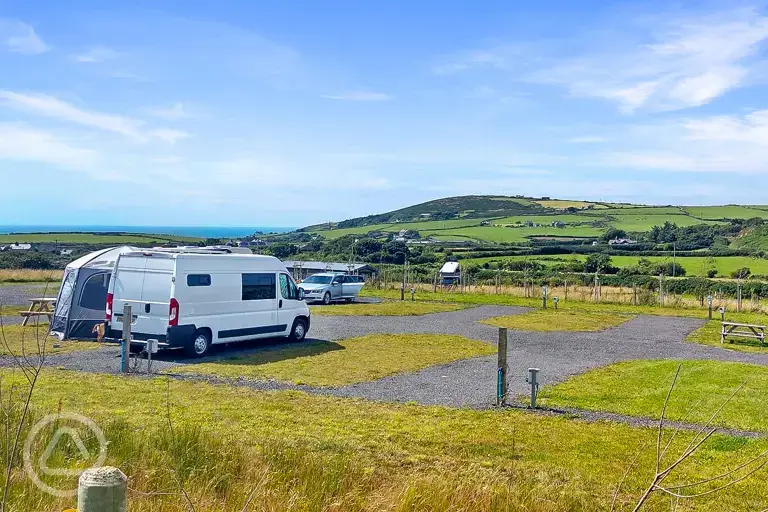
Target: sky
[(291, 113)]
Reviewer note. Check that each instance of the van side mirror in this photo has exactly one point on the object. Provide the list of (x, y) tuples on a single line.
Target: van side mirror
[(301, 293)]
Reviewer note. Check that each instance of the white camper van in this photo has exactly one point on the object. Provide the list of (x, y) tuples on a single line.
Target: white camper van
[(192, 300)]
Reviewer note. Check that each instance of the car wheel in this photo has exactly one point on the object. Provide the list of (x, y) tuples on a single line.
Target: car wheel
[(348, 301), (327, 298), (299, 330), (201, 343)]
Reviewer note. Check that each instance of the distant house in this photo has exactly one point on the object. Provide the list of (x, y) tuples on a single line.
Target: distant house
[(425, 215), (450, 273), (558, 224), (621, 241), (485, 223), (66, 252), (20, 247), (303, 269)]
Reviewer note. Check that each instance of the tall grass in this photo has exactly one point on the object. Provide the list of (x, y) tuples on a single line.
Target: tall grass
[(224, 474), (30, 276)]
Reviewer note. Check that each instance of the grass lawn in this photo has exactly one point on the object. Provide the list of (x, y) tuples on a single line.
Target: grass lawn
[(709, 333), (510, 300), (327, 363), (389, 308), (552, 320), (302, 452), (638, 388), (14, 338)]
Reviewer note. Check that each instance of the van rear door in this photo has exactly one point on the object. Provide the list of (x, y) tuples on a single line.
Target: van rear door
[(145, 283), (127, 285), (152, 316)]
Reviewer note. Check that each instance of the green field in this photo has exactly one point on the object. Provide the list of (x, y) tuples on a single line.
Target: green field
[(726, 212), (93, 238), (693, 265), (521, 234), (644, 223)]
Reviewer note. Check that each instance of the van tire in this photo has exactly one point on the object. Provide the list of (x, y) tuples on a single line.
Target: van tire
[(298, 330), (327, 298), (199, 344)]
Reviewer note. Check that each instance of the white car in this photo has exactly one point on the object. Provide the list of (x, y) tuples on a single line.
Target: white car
[(192, 301), (329, 287)]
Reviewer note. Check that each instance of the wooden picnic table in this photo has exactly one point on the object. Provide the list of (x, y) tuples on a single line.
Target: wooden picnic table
[(735, 329), (40, 306)]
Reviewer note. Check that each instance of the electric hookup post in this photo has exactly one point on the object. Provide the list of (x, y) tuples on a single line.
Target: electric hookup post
[(533, 380), (503, 368), (709, 304), (555, 300), (722, 313), (544, 297), (413, 294)]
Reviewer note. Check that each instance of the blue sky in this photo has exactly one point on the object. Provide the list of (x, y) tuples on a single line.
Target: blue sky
[(290, 113)]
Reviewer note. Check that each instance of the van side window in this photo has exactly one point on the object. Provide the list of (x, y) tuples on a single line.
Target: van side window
[(199, 280), (288, 289), (259, 287)]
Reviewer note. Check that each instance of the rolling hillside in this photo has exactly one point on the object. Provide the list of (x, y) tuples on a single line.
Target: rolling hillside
[(503, 219)]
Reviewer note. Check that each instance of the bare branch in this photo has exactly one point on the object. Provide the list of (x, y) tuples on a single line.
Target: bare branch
[(661, 420)]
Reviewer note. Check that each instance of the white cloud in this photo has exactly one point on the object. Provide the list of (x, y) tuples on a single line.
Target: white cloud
[(21, 143), (174, 112), (359, 96), (729, 144), (95, 55), (168, 135), (588, 139), (19, 37), (671, 63), (50, 106)]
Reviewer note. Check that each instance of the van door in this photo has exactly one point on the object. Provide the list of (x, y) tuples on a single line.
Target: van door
[(152, 315), (127, 284), (289, 305)]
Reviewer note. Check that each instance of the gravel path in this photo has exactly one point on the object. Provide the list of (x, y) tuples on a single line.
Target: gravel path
[(470, 382)]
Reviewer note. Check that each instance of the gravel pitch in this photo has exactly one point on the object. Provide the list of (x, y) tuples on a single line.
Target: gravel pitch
[(469, 382)]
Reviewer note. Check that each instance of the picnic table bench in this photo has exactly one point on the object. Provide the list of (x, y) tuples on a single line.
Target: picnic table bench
[(738, 330), (40, 306)]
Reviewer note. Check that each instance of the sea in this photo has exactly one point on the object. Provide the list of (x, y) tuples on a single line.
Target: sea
[(193, 231)]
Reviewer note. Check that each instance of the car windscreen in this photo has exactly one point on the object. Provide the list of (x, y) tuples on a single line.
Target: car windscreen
[(318, 279)]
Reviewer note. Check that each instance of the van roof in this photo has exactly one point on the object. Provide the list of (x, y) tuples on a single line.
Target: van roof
[(204, 255)]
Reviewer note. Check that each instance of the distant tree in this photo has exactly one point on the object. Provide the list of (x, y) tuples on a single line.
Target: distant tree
[(613, 233), (213, 241), (600, 263), (711, 273), (283, 250), (741, 273), (367, 246)]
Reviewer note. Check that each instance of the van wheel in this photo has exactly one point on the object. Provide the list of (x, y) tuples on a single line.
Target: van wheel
[(201, 342), (327, 298), (298, 331)]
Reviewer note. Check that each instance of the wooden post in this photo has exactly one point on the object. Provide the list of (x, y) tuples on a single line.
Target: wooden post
[(661, 289), (434, 287), (634, 294), (502, 368), (597, 288), (566, 290), (125, 354), (738, 296), (102, 489)]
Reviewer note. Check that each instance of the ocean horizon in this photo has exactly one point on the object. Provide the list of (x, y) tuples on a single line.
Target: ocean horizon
[(193, 231)]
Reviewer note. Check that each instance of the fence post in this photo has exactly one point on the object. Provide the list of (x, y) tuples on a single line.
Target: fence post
[(738, 296), (125, 353), (566, 290), (503, 368), (634, 294), (102, 489)]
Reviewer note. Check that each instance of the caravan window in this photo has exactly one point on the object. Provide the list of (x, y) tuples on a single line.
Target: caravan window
[(94, 294), (259, 287), (199, 280)]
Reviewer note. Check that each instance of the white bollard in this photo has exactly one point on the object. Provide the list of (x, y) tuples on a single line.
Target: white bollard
[(102, 489)]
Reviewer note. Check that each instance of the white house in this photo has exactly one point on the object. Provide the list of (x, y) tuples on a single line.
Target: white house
[(450, 273), (20, 247)]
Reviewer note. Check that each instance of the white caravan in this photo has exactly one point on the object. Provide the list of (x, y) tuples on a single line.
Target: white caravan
[(192, 300)]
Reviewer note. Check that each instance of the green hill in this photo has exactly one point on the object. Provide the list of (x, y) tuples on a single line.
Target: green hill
[(520, 220)]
